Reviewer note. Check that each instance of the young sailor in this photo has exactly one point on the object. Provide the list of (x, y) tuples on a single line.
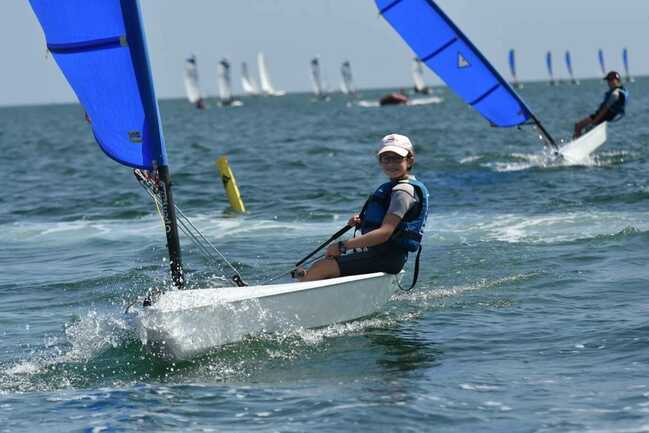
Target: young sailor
[(391, 223), (612, 108)]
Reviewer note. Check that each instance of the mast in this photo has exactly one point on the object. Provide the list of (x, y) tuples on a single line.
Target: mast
[(137, 46)]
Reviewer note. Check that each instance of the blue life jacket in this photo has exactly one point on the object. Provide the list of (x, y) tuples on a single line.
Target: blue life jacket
[(618, 110), (409, 232)]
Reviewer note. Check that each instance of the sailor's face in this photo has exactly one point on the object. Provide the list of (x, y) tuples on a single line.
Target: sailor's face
[(613, 83), (394, 166)]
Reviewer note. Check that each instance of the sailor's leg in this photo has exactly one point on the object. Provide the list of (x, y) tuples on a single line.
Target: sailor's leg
[(322, 269)]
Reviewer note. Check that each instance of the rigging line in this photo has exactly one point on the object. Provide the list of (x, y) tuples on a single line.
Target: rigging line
[(291, 270), (185, 225)]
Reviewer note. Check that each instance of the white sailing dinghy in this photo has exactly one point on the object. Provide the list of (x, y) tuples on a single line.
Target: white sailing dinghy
[(418, 77), (247, 83), (347, 80), (225, 85), (442, 46), (316, 79), (579, 150), (108, 68), (192, 86), (267, 88)]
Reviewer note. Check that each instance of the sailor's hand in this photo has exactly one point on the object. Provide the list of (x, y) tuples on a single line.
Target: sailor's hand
[(354, 221), (332, 250)]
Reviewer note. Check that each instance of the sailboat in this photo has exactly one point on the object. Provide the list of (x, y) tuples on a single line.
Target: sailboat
[(108, 68), (347, 80), (568, 58), (602, 65), (264, 79), (548, 63), (247, 83), (625, 60), (316, 79), (225, 85), (512, 68), (192, 86), (418, 77), (442, 46)]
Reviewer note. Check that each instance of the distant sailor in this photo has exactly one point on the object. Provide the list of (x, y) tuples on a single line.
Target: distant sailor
[(611, 109), (391, 223)]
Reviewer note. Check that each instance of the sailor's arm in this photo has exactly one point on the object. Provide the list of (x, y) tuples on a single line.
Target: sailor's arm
[(369, 239)]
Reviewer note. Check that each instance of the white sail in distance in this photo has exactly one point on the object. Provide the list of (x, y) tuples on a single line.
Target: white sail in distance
[(418, 76), (192, 86), (247, 83), (224, 82), (316, 79), (347, 83), (264, 79)]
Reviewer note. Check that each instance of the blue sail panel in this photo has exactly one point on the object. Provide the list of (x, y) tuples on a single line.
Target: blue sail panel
[(569, 63), (446, 50), (99, 46), (600, 56), (512, 63)]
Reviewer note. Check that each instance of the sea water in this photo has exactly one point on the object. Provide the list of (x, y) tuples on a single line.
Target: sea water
[(530, 315)]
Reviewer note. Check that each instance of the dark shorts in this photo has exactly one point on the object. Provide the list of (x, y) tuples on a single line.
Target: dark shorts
[(372, 260)]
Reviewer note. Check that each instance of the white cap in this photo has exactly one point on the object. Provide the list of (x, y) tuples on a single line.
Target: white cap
[(399, 144)]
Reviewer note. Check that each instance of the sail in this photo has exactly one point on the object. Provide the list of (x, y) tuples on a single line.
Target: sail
[(625, 60), (264, 79), (192, 86), (418, 76), (100, 48), (316, 80), (569, 65), (347, 83), (439, 43), (602, 65), (548, 63), (224, 83), (247, 83), (512, 65)]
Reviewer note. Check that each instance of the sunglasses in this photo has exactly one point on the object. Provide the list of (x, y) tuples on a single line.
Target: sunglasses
[(386, 159)]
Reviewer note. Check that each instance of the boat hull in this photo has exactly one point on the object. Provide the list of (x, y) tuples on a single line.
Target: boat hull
[(185, 323), (578, 150)]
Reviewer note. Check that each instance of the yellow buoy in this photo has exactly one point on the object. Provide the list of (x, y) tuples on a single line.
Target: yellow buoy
[(230, 184)]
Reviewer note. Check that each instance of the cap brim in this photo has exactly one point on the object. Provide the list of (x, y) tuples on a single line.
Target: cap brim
[(396, 149)]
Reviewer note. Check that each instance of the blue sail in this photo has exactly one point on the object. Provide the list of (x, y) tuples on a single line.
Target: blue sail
[(625, 60), (569, 64), (600, 55), (512, 64), (101, 49), (440, 44), (548, 62)]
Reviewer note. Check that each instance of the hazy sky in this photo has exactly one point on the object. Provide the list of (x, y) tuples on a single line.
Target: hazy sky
[(290, 32)]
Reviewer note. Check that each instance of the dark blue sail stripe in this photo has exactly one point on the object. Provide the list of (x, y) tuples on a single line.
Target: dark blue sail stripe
[(484, 95), (79, 47), (390, 6), (439, 50)]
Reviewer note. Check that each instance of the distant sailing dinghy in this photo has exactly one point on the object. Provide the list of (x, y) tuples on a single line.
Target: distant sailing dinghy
[(225, 85), (625, 60), (316, 79), (442, 46), (108, 67), (192, 86), (418, 77), (247, 83), (516, 84), (347, 86), (573, 80), (548, 63), (602, 63), (267, 88)]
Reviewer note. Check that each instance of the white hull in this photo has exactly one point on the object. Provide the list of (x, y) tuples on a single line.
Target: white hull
[(578, 150), (184, 323)]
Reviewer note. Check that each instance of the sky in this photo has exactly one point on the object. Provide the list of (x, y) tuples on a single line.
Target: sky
[(291, 32)]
